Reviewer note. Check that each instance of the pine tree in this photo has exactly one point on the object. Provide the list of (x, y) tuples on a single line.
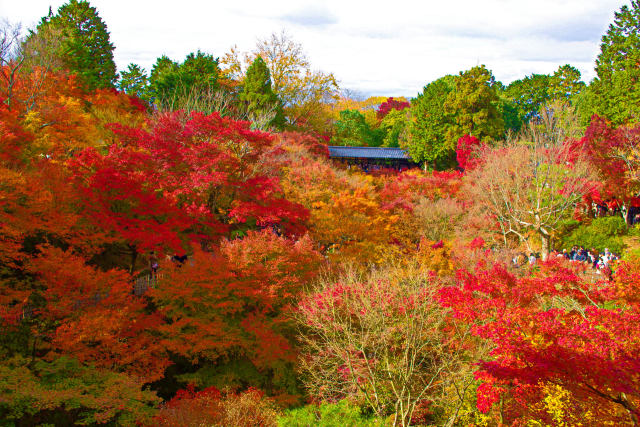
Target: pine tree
[(261, 101), (134, 81), (85, 48), (616, 90)]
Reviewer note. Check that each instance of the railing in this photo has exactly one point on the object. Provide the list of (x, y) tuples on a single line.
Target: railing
[(142, 284)]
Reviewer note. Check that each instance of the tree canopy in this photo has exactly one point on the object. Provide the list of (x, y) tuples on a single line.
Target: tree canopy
[(616, 89), (428, 140), (85, 47), (263, 104)]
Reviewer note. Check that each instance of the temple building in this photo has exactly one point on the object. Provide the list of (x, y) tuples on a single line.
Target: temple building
[(369, 158)]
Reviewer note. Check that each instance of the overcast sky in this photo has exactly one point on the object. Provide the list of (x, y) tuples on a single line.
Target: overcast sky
[(391, 47)]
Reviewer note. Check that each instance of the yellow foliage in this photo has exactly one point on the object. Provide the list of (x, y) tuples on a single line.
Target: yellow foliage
[(560, 405)]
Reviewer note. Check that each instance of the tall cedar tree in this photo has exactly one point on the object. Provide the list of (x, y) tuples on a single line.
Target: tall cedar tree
[(616, 89), (85, 48), (134, 81), (261, 101)]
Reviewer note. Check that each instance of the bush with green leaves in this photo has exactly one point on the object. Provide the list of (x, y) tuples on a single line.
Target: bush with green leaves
[(340, 414), (602, 233)]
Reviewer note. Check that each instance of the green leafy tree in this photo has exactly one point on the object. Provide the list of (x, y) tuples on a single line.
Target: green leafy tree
[(616, 90), (173, 85), (63, 392), (84, 48), (474, 104), (352, 129), (427, 132), (164, 78), (134, 81), (566, 83), (327, 414), (527, 95), (394, 127), (263, 105), (523, 99)]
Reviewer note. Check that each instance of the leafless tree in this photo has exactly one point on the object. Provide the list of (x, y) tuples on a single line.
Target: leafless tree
[(28, 60), (216, 99), (11, 58), (529, 186), (381, 338)]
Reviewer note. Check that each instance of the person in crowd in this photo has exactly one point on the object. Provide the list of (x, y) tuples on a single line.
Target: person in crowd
[(601, 209), (532, 259), (153, 263), (606, 271), (179, 259), (584, 255)]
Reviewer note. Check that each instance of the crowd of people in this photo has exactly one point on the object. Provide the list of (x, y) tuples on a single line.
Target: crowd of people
[(612, 207), (599, 261)]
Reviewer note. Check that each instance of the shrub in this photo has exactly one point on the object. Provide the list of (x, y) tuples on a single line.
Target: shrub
[(210, 407), (342, 413), (602, 233), (382, 341)]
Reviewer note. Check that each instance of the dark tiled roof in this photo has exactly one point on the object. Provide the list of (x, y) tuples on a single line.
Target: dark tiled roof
[(368, 152)]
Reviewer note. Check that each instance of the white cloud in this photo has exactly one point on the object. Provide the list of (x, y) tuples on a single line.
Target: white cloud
[(382, 48)]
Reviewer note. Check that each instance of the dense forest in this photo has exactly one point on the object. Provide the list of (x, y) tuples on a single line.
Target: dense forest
[(177, 247)]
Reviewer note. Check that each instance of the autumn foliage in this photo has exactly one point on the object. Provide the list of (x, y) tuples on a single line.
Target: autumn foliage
[(186, 268), (553, 333)]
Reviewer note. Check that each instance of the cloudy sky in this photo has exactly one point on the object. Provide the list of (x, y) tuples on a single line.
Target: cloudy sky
[(374, 47)]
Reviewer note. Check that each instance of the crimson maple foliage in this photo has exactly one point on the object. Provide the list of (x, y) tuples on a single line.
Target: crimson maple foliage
[(390, 104), (465, 151), (406, 189), (554, 329), (186, 179), (612, 152), (96, 319)]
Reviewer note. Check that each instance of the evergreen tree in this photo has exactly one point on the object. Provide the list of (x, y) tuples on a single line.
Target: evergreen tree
[(164, 78), (84, 48), (616, 90), (134, 81), (176, 86), (262, 103), (527, 95), (199, 71), (566, 83)]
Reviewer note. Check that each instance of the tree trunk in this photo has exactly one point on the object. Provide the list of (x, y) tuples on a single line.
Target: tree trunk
[(134, 257), (545, 246)]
